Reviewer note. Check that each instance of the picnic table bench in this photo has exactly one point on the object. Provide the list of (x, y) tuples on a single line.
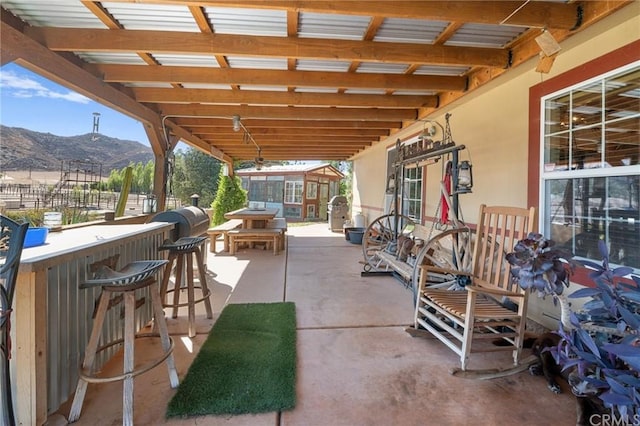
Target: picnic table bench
[(279, 223), (251, 235), (223, 230)]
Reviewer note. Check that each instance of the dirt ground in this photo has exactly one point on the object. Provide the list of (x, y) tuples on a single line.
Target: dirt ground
[(25, 177), (31, 177)]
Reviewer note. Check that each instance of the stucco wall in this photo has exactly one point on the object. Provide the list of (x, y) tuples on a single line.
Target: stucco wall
[(492, 122)]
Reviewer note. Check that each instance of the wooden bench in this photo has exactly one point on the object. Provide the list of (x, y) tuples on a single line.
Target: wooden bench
[(420, 235), (281, 224), (222, 229), (253, 235)]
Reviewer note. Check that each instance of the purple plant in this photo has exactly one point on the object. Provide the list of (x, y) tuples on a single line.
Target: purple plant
[(604, 346), (538, 265)]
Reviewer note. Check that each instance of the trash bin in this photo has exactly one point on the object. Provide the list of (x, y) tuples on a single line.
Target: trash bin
[(338, 213)]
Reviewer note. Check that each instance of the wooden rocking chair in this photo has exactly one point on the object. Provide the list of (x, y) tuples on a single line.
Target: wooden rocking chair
[(491, 306)]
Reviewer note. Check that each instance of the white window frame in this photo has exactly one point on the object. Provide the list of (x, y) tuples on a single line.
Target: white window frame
[(547, 172), (293, 190), (312, 190)]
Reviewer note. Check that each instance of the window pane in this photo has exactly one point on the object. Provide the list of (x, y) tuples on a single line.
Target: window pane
[(557, 114), (586, 105), (622, 97), (257, 191), (412, 201), (622, 115), (623, 142), (582, 211), (587, 148)]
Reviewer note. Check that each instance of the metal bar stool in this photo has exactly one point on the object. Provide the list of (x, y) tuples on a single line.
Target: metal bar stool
[(124, 282), (181, 252), (11, 241)]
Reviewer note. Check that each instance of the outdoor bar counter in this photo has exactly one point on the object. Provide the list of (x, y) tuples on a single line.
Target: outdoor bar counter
[(53, 316)]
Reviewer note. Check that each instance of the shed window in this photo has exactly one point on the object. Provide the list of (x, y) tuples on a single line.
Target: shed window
[(293, 192)]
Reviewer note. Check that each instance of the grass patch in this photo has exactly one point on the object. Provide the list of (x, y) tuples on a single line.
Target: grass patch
[(246, 365)]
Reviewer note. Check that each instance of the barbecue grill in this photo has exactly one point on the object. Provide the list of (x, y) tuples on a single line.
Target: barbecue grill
[(190, 221)]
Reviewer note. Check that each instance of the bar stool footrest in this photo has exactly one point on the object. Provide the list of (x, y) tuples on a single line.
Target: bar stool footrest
[(180, 305), (91, 378)]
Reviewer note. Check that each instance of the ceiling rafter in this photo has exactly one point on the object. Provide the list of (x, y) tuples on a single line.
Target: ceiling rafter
[(175, 42), (176, 74), (257, 97)]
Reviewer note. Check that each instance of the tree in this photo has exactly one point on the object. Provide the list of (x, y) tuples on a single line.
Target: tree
[(114, 182), (195, 173), (346, 167), (230, 196)]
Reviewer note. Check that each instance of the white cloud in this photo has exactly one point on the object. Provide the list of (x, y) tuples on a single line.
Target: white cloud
[(24, 87)]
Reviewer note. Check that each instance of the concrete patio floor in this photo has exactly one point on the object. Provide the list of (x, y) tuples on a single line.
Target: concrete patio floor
[(356, 363)]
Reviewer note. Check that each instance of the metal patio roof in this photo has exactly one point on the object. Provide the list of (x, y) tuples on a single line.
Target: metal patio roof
[(310, 80)]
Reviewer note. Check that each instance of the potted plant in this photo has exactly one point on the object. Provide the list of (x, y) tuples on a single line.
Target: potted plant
[(539, 265), (601, 343)]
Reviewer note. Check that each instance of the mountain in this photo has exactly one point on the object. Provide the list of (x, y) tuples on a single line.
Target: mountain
[(23, 149)]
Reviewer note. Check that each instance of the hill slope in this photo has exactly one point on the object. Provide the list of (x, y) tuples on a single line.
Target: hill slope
[(22, 149)]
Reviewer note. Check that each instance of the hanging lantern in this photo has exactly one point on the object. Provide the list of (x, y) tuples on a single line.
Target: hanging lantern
[(465, 177)]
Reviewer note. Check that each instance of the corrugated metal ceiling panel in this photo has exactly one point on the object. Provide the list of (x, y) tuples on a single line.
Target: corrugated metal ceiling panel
[(206, 86), (366, 91), (316, 90), (316, 65), (48, 13), (379, 67), (483, 35), (322, 25), (415, 92), (265, 88), (150, 85), (257, 63), (152, 17), (440, 70), (187, 60), (111, 58), (259, 22), (401, 30)]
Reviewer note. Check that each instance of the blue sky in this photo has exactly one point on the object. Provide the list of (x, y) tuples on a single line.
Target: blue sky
[(32, 102)]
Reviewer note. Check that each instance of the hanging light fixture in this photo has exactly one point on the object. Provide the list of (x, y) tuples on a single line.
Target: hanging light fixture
[(465, 177), (236, 123), (549, 51), (259, 161)]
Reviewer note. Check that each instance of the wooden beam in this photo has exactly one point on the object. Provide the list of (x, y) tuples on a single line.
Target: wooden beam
[(278, 133), (257, 97), (256, 123), (179, 74), (291, 142), (289, 113), (175, 42)]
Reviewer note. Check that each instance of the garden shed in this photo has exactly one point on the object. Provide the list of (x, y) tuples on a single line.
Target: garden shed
[(298, 191)]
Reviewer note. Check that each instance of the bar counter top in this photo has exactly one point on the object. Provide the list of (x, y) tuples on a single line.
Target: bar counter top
[(74, 240)]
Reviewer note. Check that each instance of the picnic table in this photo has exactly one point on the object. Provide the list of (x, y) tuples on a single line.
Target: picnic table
[(254, 228), (252, 218)]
